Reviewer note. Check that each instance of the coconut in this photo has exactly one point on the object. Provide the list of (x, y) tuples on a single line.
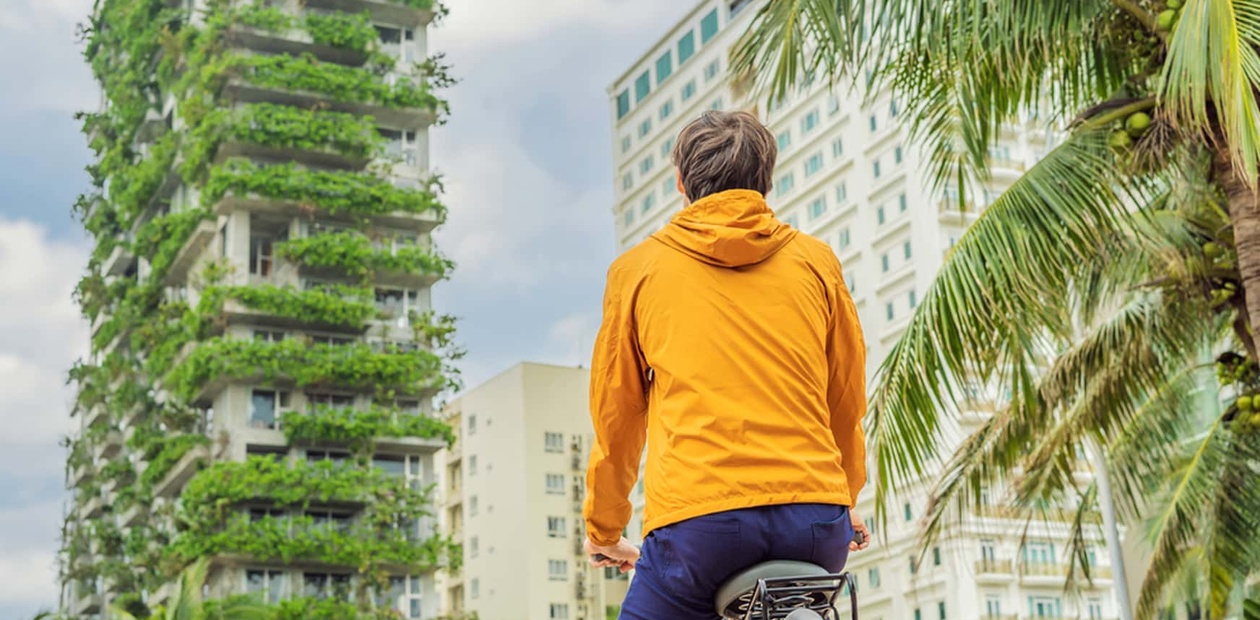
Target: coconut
[(1137, 123), (1166, 20), (1212, 250), (1120, 139), (1245, 403), (1173, 4)]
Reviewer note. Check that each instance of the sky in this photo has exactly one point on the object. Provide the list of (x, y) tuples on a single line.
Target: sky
[(526, 159)]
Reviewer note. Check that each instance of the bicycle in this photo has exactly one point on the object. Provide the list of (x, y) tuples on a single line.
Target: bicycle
[(783, 590)]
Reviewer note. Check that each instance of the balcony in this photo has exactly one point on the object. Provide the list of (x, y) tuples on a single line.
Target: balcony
[(152, 128), (253, 203), (409, 445), (181, 472), (133, 515), (323, 158), (243, 91), (236, 312), (995, 570), (110, 444), (120, 260), (293, 43), (80, 474), (92, 508), (96, 416), (187, 256), (386, 11), (86, 605), (1061, 515)]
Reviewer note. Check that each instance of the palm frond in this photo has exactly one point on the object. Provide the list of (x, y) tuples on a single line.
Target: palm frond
[(1212, 77), (994, 300)]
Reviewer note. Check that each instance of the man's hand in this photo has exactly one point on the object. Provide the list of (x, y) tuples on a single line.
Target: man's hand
[(623, 555), (859, 528)]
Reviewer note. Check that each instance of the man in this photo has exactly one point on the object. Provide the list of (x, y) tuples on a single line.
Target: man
[(731, 345)]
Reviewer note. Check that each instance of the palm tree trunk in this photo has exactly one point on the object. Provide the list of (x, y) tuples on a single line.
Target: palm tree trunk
[(1111, 530), (1244, 212)]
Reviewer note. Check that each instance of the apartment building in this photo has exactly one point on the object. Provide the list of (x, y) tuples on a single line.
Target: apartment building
[(847, 174), (514, 485), (263, 356)]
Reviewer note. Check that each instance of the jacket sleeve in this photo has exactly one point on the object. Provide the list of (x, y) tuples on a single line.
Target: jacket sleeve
[(618, 414), (846, 390)]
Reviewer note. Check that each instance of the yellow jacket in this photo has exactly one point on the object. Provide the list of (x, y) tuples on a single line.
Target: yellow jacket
[(730, 344)]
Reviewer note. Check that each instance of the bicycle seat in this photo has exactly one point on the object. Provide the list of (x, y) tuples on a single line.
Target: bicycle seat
[(812, 584)]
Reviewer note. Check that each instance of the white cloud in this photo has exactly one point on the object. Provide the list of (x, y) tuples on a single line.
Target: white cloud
[(574, 335), (509, 21), (41, 334)]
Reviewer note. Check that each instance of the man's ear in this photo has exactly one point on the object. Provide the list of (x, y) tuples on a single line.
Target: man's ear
[(678, 175)]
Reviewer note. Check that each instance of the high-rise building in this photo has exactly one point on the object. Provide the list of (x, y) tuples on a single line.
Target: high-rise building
[(263, 363), (514, 486), (847, 174)]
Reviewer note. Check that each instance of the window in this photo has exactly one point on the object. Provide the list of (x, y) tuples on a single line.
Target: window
[(872, 576), (809, 122), (716, 105), (914, 568), (686, 47), (627, 181), (264, 407), (623, 103), (472, 465), (668, 187), (268, 583), (940, 609), (689, 90), (901, 203), (268, 335), (261, 255), (890, 314), (472, 425), (474, 547), (555, 484), (785, 140), (842, 193), (993, 608), (625, 144), (642, 86), (737, 6), (880, 218), (914, 300), (909, 512), (474, 588), (472, 506), (817, 208), (554, 442), (791, 221), (875, 168), (667, 109), (833, 105), (905, 249), (559, 611), (555, 527), (667, 148), (645, 166), (558, 570), (645, 127), (874, 124), (785, 184), (323, 585), (649, 201), (892, 108), (1045, 607), (627, 218), (813, 164), (708, 26), (844, 238), (837, 147), (1039, 553), (711, 70), (1095, 609), (918, 614), (664, 67), (897, 155), (936, 556)]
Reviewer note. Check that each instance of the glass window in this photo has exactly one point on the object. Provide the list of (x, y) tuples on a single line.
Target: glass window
[(813, 164), (809, 122), (625, 144), (553, 442), (892, 108), (837, 147), (642, 86), (686, 47), (708, 26), (897, 155), (785, 184), (879, 215), (817, 208), (717, 104), (883, 263), (559, 611), (914, 300), (645, 127), (623, 104), (645, 166), (784, 140), (263, 406), (628, 217), (901, 203), (875, 168), (842, 193), (627, 181), (872, 576), (874, 124), (664, 67), (909, 512), (555, 484), (666, 109), (906, 249), (711, 70), (689, 90), (558, 570), (833, 104), (844, 238), (940, 608), (649, 201), (555, 527)]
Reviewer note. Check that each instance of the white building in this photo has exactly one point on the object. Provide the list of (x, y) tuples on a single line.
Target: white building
[(847, 175), (515, 481)]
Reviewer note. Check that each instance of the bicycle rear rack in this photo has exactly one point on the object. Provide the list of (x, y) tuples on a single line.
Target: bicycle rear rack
[(774, 599)]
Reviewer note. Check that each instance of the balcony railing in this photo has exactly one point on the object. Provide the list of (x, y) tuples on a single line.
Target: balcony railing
[(995, 567)]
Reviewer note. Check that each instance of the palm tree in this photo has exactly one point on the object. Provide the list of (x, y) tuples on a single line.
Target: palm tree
[(1099, 286), (189, 603)]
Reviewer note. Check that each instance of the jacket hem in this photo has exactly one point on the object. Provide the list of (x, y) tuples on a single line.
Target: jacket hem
[(708, 508)]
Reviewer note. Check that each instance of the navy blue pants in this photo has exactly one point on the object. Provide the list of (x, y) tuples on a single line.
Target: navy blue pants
[(682, 565)]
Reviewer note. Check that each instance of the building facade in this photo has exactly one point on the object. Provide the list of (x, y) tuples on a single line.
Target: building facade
[(264, 358), (514, 486), (847, 174)]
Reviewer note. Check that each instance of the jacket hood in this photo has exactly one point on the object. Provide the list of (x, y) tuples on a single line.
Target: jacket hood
[(734, 228)]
